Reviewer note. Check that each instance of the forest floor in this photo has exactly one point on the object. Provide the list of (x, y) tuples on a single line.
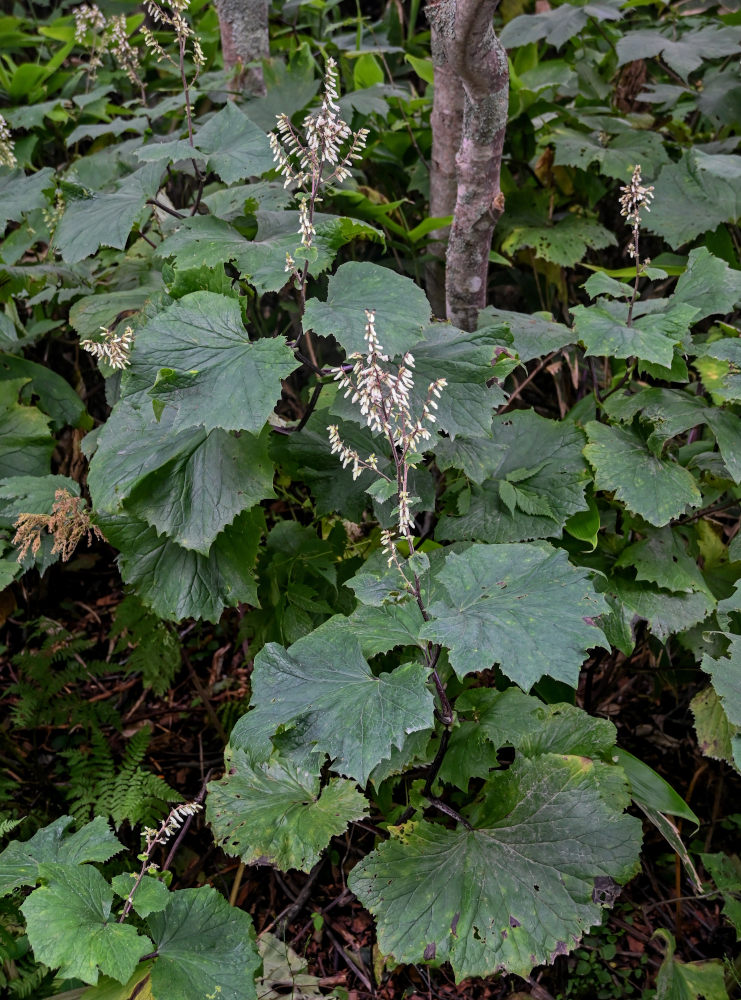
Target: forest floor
[(316, 914)]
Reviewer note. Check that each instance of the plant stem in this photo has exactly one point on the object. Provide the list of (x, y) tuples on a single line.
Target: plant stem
[(449, 811)]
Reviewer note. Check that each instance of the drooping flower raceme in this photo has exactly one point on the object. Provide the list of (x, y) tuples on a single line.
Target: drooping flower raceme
[(7, 146), (635, 197), (384, 398), (315, 159), (113, 348)]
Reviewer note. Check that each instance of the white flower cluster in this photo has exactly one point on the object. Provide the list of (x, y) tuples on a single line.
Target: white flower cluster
[(170, 825), (88, 17), (172, 16), (108, 36), (384, 396), (123, 51), (52, 214), (349, 455), (633, 198), (115, 350), (324, 133), (7, 146)]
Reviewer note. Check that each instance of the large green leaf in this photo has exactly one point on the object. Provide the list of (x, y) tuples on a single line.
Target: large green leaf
[(205, 947), (401, 308), (188, 484), (210, 371), (207, 241), (655, 488), (725, 672), (556, 26), (684, 54), (233, 146), (708, 285), (716, 736), (665, 613), (669, 411), (276, 813), (88, 314), (520, 887), (19, 862), (603, 330), (323, 682), (661, 557), (21, 193), (179, 583), (56, 396), (678, 980), (105, 218), (533, 335), (69, 926), (706, 186), (25, 442), (615, 155), (522, 606), (512, 718), (536, 481), (380, 629), (564, 243)]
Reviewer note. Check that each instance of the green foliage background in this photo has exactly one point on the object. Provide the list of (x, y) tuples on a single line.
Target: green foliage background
[(579, 498)]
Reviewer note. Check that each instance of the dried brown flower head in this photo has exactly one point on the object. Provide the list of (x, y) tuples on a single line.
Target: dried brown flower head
[(68, 523)]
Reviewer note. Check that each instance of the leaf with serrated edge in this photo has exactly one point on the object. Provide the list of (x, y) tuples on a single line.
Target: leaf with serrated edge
[(401, 308), (518, 889), (522, 606), (188, 484), (553, 451), (716, 737), (725, 672), (69, 926), (276, 813), (205, 947), (324, 681), (19, 862), (179, 583), (26, 443), (222, 379), (655, 488), (151, 895)]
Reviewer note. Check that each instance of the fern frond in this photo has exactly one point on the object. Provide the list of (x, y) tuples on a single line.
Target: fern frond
[(151, 646), (8, 825)]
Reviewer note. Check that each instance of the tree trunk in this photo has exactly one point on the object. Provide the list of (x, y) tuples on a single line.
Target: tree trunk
[(465, 43), (244, 40), (446, 121)]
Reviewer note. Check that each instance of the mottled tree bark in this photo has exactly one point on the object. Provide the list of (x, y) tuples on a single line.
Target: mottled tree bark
[(465, 43), (244, 40), (446, 120)]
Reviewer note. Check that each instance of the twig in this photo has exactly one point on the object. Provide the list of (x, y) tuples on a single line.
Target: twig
[(538, 368), (298, 899), (186, 825), (165, 208), (437, 762), (350, 961), (202, 694), (236, 884), (310, 407), (449, 811)]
